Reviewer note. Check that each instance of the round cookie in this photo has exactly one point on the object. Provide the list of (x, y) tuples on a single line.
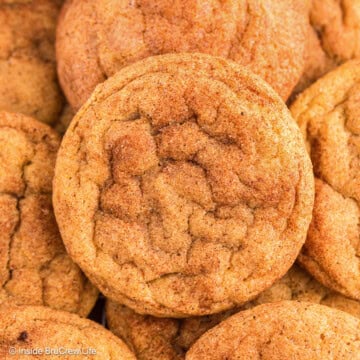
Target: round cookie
[(95, 39), (328, 114), (334, 37), (28, 81), (167, 339), (282, 330), (183, 186), (34, 266), (56, 334)]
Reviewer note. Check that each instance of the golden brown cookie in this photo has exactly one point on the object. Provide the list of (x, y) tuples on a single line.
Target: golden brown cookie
[(183, 186), (34, 267), (28, 82), (334, 37), (281, 331), (95, 39), (328, 114), (56, 334), (167, 339)]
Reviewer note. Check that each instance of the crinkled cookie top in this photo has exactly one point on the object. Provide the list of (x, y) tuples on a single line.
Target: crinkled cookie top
[(34, 328), (95, 39), (337, 26), (34, 267), (167, 339), (28, 82), (333, 37), (281, 331), (328, 114), (183, 186)]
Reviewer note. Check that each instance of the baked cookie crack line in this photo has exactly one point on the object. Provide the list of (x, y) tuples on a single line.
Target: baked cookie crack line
[(11, 242), (18, 224), (164, 276)]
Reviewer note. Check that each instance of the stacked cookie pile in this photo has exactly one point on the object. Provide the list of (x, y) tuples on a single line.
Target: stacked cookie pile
[(202, 174)]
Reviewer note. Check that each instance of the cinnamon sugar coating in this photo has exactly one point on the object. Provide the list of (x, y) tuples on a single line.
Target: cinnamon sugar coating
[(28, 80), (95, 39), (282, 330), (167, 339), (328, 114), (34, 328), (34, 266), (183, 186)]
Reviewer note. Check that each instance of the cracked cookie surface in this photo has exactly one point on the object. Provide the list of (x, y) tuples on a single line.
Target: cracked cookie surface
[(35, 327), (34, 266), (282, 330), (167, 339), (328, 114), (95, 39), (28, 81), (334, 37), (183, 186)]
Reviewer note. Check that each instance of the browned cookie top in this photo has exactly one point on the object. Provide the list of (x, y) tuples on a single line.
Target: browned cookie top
[(337, 26), (36, 328), (183, 186), (334, 37), (281, 331), (328, 114), (95, 39), (167, 339), (28, 81), (34, 267)]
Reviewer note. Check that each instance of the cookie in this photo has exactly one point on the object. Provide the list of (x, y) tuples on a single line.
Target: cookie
[(328, 114), (28, 81), (167, 339), (334, 37), (95, 39), (282, 330), (55, 334), (34, 266), (183, 186)]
